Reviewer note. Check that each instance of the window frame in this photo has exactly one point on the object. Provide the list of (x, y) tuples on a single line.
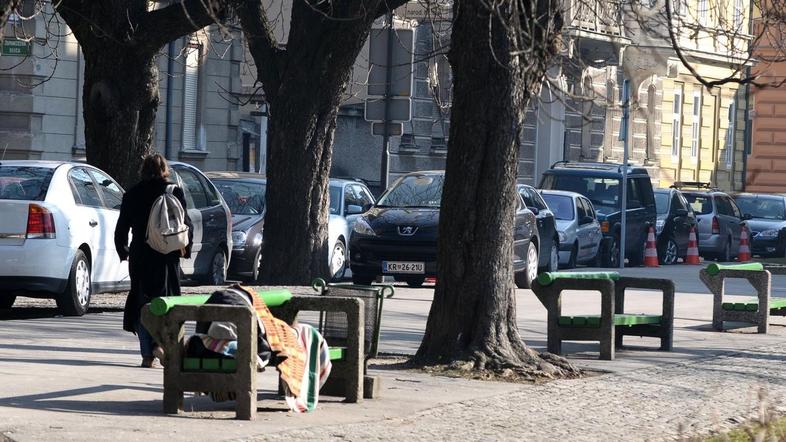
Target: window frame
[(676, 121), (192, 47), (75, 192), (695, 142), (101, 188), (730, 132)]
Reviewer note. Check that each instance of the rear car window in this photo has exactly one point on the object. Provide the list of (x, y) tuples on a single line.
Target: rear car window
[(662, 203), (701, 204), (603, 192), (243, 197), (28, 183)]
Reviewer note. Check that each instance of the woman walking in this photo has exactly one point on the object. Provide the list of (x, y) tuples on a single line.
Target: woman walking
[(153, 274)]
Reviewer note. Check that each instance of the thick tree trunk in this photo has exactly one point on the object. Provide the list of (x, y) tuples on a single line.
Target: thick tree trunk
[(120, 99), (473, 315), (304, 101)]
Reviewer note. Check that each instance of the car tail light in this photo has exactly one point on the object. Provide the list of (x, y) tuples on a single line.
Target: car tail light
[(40, 222), (715, 226), (604, 226)]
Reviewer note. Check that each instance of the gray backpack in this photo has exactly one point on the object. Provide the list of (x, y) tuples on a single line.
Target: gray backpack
[(166, 227)]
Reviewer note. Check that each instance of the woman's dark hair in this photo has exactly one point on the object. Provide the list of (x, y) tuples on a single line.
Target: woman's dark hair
[(154, 166)]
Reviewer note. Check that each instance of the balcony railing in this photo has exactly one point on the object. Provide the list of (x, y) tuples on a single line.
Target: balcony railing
[(595, 16)]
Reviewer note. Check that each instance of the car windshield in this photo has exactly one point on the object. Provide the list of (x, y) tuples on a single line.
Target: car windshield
[(414, 191), (242, 197), (602, 191), (701, 204), (24, 182), (560, 205), (335, 200), (662, 203), (763, 208)]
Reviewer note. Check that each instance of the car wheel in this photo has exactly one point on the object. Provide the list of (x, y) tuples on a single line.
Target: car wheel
[(75, 300), (525, 277), (257, 266), (668, 253), (6, 301), (553, 257), (574, 253), (611, 256), (415, 281), (218, 269), (338, 261), (362, 279)]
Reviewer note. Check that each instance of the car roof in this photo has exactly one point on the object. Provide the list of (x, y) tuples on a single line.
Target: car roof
[(664, 190), (234, 175), (561, 193), (596, 169), (48, 164)]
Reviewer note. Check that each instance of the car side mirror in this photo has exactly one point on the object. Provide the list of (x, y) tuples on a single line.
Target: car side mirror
[(534, 210), (586, 220), (681, 212), (354, 210), (747, 216)]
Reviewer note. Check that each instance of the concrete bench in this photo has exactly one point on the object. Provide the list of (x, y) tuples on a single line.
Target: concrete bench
[(217, 375), (756, 311), (613, 323)]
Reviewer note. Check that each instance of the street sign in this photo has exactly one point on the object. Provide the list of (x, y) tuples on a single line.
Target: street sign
[(394, 129), (14, 46), (400, 110), (402, 57)]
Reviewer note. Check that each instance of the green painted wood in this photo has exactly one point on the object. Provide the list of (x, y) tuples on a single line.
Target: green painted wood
[(161, 305), (752, 305), (546, 278), (336, 353), (621, 320), (209, 364), (714, 268)]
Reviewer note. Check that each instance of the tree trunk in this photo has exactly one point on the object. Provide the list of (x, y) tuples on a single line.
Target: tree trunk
[(304, 103), (473, 315), (120, 99)]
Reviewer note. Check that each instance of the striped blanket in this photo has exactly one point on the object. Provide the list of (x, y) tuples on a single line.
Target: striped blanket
[(317, 370)]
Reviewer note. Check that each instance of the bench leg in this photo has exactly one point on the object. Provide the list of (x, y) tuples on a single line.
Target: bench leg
[(666, 341), (607, 347), (618, 339), (173, 400), (764, 325), (554, 344), (246, 405)]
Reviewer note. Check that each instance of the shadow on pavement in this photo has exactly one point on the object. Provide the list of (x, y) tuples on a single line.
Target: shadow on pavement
[(44, 312), (34, 348)]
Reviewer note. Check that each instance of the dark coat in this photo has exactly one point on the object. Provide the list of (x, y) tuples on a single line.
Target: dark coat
[(153, 274)]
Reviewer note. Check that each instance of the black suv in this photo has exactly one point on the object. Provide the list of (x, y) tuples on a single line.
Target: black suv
[(600, 183), (398, 235)]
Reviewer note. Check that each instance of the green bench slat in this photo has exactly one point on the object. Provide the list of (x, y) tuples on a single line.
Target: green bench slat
[(714, 269), (336, 353), (753, 305), (619, 320), (546, 278), (210, 364), (161, 305)]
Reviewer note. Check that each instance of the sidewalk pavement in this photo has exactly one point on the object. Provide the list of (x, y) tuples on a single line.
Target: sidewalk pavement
[(77, 379)]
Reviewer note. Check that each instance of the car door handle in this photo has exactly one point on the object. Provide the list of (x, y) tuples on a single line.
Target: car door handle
[(93, 223)]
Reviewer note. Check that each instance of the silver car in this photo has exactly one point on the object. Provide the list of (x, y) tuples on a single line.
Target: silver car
[(577, 226), (719, 220)]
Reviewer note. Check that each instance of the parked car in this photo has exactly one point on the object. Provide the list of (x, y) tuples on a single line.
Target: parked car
[(245, 195), (577, 226), (211, 218), (547, 227), (600, 183), (675, 220), (718, 217), (398, 235), (57, 233), (765, 217)]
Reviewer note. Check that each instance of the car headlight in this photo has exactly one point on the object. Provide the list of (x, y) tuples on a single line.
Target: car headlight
[(363, 228), (659, 225), (238, 239), (768, 234), (562, 236)]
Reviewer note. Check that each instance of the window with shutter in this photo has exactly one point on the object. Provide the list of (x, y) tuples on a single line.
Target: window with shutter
[(191, 97)]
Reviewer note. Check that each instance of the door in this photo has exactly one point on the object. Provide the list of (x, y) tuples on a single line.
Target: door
[(115, 271), (585, 230), (681, 224), (356, 195), (729, 221), (544, 219), (195, 201), (592, 231), (86, 223), (736, 222), (520, 234), (636, 233), (217, 224)]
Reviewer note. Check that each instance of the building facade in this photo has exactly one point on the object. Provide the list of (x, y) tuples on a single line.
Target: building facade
[(41, 97)]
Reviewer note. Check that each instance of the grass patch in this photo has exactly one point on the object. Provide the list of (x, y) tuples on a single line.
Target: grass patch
[(773, 430)]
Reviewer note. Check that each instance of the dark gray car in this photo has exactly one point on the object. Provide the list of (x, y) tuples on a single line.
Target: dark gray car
[(766, 220)]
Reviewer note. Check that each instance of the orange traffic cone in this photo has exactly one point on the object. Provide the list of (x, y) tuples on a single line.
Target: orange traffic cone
[(651, 251), (745, 248), (693, 248)]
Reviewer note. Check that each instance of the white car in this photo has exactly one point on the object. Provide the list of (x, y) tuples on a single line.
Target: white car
[(57, 233)]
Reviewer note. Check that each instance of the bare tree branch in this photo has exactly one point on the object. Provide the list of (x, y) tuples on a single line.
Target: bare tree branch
[(261, 42), (177, 20)]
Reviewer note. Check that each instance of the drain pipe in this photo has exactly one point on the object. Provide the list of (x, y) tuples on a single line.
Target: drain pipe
[(170, 64)]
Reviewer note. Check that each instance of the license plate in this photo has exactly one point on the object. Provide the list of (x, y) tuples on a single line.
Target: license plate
[(403, 267)]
